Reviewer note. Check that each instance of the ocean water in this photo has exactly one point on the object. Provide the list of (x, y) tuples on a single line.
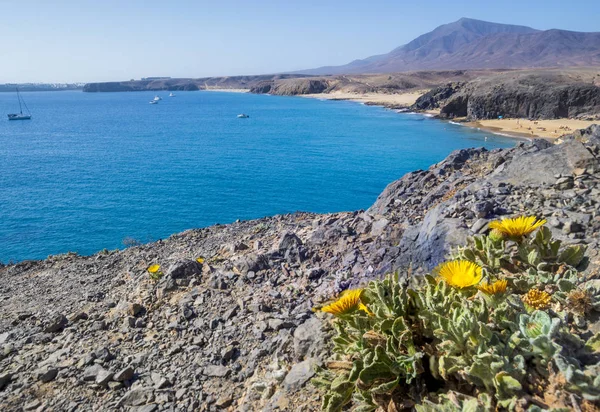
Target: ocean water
[(90, 170)]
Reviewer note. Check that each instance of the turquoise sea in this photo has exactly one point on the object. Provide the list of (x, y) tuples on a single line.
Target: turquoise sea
[(91, 169)]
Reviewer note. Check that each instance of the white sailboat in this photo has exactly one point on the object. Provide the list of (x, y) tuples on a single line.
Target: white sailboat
[(171, 94), (20, 115)]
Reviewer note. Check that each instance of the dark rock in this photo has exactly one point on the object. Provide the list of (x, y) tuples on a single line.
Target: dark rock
[(437, 95), (482, 209), (47, 375), (565, 183), (5, 378), (572, 227), (530, 96), (56, 324), (124, 374), (184, 270), (133, 309), (289, 241), (291, 87)]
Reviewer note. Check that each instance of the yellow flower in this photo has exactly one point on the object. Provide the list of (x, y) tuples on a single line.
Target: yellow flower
[(348, 301), (516, 228), (200, 260), (498, 286), (154, 268), (460, 273), (537, 299)]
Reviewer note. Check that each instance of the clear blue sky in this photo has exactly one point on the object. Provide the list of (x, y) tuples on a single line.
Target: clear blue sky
[(102, 40)]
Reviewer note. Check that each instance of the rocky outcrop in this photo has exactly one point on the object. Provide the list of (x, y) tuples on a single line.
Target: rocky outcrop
[(433, 98), (291, 87), (532, 96), (584, 135), (237, 331), (529, 94)]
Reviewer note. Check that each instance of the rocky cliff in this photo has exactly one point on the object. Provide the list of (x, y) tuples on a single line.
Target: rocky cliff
[(235, 330), (545, 94)]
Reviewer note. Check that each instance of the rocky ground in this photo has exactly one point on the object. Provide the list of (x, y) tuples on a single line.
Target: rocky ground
[(237, 332)]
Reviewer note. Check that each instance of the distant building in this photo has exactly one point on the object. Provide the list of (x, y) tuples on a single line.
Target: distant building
[(155, 78)]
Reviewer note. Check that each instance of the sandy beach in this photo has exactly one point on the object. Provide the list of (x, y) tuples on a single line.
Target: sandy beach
[(399, 99), (550, 129)]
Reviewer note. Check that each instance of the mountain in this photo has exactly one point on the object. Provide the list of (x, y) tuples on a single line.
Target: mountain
[(476, 44)]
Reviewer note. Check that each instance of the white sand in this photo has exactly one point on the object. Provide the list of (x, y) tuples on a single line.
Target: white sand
[(533, 128), (400, 99)]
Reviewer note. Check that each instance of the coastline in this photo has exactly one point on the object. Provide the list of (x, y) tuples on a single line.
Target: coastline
[(226, 90), (520, 129)]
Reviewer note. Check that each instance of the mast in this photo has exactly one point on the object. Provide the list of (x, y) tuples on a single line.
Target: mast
[(19, 98)]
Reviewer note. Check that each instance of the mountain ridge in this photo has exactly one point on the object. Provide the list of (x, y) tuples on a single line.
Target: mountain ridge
[(477, 44)]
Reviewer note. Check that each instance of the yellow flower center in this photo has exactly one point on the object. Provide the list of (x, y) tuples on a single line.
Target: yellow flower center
[(537, 299)]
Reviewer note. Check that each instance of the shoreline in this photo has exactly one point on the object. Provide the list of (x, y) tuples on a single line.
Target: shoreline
[(515, 128), (226, 90), (401, 102)]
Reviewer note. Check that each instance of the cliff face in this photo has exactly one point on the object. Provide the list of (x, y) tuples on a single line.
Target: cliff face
[(533, 95), (237, 330), (291, 87)]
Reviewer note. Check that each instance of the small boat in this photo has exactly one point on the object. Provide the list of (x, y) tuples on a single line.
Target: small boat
[(20, 115), (157, 98), (242, 116), (171, 94), (153, 102)]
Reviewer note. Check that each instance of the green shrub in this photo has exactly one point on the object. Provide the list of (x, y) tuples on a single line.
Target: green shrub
[(492, 329)]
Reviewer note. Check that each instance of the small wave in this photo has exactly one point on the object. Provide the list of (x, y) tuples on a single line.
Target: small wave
[(456, 123), (512, 136), (418, 114)]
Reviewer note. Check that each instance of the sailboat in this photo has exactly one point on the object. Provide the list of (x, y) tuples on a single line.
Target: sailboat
[(171, 94), (20, 115)]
